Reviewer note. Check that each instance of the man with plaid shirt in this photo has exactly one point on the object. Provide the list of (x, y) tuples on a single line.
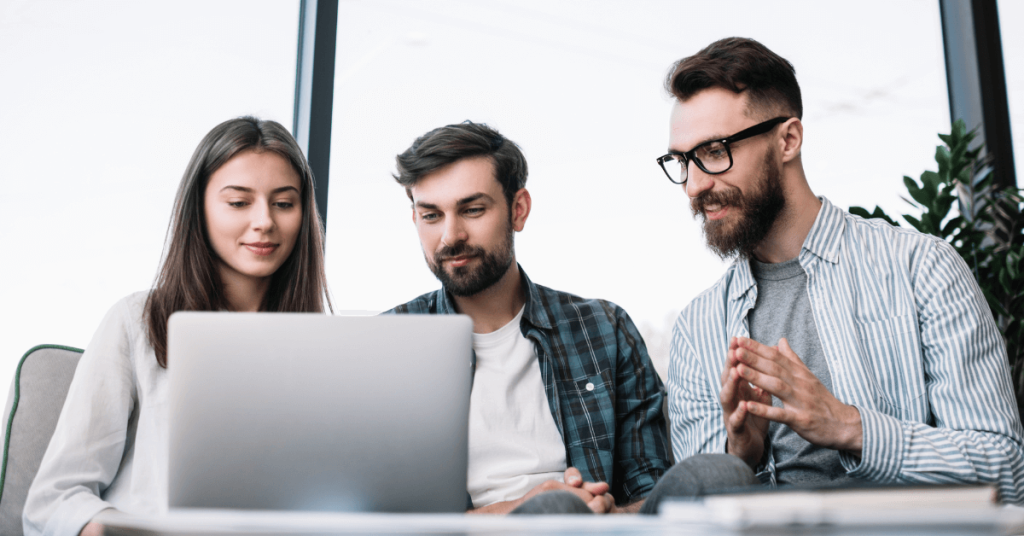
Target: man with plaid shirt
[(566, 408)]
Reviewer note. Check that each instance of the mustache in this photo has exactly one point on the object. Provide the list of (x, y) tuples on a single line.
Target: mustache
[(461, 249), (731, 197)]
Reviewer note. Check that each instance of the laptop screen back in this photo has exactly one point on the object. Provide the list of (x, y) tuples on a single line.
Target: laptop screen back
[(287, 411)]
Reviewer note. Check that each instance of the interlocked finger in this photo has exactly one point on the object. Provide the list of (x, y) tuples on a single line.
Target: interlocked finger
[(764, 365), (729, 395), (768, 383), (772, 413), (736, 421)]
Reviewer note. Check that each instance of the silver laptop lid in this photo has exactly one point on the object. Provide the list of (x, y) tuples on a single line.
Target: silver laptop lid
[(289, 411)]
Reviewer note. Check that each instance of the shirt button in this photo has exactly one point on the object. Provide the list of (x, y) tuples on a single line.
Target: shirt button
[(590, 387)]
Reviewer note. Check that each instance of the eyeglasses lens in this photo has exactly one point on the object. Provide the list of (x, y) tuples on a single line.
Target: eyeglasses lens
[(675, 167), (714, 156)]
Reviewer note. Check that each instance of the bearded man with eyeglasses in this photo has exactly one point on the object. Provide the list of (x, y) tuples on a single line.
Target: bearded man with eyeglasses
[(834, 349)]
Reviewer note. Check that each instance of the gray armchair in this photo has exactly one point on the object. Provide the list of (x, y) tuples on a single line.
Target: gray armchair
[(37, 395)]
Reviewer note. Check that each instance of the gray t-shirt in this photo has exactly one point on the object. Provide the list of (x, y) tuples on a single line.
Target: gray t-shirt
[(783, 309)]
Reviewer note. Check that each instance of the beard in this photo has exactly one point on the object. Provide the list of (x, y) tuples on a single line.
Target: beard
[(757, 211), (466, 281)]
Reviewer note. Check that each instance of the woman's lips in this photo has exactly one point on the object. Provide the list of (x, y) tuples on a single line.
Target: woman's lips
[(262, 248)]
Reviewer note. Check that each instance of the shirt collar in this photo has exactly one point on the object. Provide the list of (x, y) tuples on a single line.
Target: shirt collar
[(445, 303), (534, 311), (823, 240), (825, 236)]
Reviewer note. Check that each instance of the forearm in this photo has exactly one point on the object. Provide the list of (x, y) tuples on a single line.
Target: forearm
[(913, 452), (502, 507), (977, 436), (47, 514), (630, 508), (92, 529)]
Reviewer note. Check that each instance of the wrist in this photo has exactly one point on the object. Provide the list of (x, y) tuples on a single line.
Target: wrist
[(853, 437), (753, 459)]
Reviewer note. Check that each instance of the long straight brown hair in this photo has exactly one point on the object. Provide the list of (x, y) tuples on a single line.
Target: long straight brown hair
[(189, 279)]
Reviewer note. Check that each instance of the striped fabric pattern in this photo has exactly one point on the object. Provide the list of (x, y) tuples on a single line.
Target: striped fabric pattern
[(909, 340), (602, 389)]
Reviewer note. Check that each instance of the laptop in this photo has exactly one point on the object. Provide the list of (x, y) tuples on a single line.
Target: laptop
[(309, 412)]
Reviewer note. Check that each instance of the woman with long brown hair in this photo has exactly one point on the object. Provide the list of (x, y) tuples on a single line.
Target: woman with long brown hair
[(245, 235)]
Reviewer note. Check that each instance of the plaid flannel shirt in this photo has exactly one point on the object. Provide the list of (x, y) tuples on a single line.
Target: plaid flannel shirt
[(602, 389)]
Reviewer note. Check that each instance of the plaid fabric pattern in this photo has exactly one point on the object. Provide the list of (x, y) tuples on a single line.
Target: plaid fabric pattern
[(602, 390)]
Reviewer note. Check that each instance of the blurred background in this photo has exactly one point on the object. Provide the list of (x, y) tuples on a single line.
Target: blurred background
[(103, 102)]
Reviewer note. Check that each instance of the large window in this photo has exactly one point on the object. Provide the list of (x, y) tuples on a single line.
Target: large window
[(1011, 17), (102, 104), (579, 87)]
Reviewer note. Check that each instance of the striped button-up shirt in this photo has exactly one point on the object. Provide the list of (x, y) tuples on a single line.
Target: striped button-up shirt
[(601, 387), (909, 341)]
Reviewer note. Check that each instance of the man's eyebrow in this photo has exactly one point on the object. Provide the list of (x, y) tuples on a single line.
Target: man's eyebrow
[(474, 197), (460, 202), (428, 206), (702, 142)]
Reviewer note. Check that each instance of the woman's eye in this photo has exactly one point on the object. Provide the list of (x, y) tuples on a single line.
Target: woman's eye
[(284, 204), (236, 204)]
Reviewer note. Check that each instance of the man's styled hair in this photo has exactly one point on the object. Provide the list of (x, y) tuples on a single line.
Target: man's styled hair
[(449, 144), (740, 65)]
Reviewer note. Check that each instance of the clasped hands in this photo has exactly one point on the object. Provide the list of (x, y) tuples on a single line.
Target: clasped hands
[(595, 494), (753, 373)]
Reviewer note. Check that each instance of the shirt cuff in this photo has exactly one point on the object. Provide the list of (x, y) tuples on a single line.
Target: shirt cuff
[(765, 471), (74, 514), (882, 448)]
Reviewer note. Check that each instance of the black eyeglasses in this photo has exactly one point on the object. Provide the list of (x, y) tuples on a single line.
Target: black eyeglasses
[(712, 157)]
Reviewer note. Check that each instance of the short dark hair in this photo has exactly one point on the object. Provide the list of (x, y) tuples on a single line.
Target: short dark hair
[(451, 143), (740, 65)]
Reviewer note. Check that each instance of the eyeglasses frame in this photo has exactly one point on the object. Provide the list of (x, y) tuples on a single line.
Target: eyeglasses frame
[(755, 130)]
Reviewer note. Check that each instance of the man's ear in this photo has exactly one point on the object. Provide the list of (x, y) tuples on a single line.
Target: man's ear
[(520, 208), (792, 139)]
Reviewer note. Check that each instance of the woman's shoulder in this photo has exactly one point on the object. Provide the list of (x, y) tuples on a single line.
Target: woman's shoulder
[(130, 307), (124, 320)]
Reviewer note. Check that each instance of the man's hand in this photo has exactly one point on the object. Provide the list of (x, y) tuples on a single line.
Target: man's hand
[(808, 407), (601, 502), (91, 529), (592, 493), (746, 431)]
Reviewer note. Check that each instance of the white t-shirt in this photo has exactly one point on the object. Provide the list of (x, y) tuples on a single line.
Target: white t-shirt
[(514, 443)]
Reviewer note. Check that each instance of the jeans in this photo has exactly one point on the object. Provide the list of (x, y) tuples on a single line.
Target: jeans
[(701, 475), (553, 503), (695, 476)]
